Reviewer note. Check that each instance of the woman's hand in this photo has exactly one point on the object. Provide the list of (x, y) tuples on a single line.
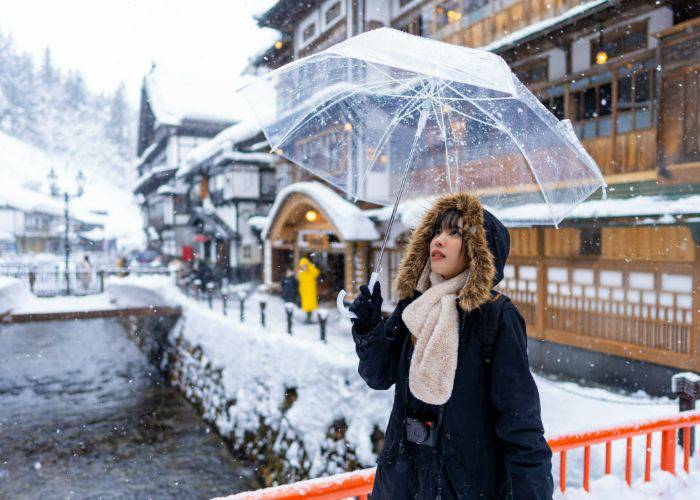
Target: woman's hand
[(368, 308)]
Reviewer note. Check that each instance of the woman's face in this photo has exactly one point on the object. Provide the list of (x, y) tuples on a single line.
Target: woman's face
[(446, 256)]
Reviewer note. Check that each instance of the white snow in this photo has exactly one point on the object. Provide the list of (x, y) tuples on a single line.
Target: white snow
[(259, 364), (410, 211), (31, 304), (258, 222), (21, 162), (176, 96), (243, 157), (350, 222), (542, 25), (12, 294), (226, 139)]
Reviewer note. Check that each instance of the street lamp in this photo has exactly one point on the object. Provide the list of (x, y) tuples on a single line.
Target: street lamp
[(53, 186)]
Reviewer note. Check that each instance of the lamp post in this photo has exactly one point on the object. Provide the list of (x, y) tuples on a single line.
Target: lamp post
[(53, 185)]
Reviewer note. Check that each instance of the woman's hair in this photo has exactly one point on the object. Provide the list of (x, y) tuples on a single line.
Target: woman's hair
[(449, 220)]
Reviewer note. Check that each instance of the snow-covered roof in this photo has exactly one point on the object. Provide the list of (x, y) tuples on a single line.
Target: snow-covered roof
[(28, 200), (531, 29), (159, 171), (351, 222), (175, 96), (224, 140), (662, 208), (243, 157), (258, 222), (168, 190)]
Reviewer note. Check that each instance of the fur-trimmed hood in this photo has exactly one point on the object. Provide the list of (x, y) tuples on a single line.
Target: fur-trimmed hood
[(487, 244)]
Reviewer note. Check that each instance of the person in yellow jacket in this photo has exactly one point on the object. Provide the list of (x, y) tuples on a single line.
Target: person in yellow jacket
[(308, 291)]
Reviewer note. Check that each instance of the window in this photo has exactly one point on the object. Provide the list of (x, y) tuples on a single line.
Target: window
[(591, 106), (309, 32), (590, 241), (247, 252), (472, 5), (533, 72), (332, 13), (555, 105), (636, 97), (620, 41)]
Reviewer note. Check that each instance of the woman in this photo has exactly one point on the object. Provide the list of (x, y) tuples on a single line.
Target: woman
[(466, 416)]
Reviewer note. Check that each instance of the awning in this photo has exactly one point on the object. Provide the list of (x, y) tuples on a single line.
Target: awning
[(351, 223)]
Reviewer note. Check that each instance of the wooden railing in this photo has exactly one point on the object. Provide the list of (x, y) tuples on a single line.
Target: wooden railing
[(360, 483), (642, 311)]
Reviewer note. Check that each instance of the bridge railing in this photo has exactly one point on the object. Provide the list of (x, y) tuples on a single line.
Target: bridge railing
[(359, 483)]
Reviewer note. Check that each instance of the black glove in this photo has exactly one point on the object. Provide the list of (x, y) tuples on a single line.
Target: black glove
[(368, 308)]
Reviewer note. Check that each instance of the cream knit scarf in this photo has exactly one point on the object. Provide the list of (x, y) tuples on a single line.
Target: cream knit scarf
[(433, 320)]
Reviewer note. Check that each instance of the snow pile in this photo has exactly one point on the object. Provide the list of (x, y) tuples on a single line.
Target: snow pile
[(351, 222), (663, 484), (259, 367), (12, 295)]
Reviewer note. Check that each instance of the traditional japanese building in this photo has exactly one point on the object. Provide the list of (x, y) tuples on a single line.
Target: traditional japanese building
[(231, 180), (616, 288), (177, 114)]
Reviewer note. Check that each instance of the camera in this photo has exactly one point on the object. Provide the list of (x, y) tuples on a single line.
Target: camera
[(420, 432)]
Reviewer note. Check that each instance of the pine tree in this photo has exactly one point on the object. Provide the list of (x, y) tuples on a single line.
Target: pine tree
[(48, 74), (117, 127)]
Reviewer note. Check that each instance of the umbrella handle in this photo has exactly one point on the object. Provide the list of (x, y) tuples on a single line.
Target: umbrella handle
[(339, 301)]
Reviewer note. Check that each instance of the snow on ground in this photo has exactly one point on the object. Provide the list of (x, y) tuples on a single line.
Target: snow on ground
[(12, 294), (31, 304), (260, 363)]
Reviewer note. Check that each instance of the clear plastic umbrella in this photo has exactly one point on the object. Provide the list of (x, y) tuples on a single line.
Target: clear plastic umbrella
[(387, 116)]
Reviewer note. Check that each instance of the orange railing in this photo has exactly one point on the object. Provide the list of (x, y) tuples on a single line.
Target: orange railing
[(359, 483)]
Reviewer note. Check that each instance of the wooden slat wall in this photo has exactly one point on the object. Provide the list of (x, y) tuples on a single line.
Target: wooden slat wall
[(634, 152), (648, 243), (523, 242), (563, 242)]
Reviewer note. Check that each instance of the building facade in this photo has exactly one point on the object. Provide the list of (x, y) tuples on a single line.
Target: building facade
[(177, 114), (617, 284)]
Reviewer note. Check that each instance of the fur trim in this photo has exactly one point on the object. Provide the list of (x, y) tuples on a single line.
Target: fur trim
[(477, 289)]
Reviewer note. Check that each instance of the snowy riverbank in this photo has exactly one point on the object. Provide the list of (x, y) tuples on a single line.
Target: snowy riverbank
[(297, 399)]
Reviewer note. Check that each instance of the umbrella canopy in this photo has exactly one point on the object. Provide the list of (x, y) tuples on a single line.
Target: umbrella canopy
[(386, 113)]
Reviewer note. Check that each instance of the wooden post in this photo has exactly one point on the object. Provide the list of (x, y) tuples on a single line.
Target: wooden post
[(540, 306), (695, 326), (614, 166)]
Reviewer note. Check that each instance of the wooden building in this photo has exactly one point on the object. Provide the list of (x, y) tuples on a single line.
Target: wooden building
[(231, 179), (177, 114), (615, 290)]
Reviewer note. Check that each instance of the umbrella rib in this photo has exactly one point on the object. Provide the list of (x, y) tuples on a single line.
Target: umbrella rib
[(324, 105), (443, 129), (387, 134), (527, 159)]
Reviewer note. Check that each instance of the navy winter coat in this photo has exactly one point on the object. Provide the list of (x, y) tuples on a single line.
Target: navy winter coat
[(491, 440)]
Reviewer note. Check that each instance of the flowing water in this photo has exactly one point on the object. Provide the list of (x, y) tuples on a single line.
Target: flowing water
[(84, 415)]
